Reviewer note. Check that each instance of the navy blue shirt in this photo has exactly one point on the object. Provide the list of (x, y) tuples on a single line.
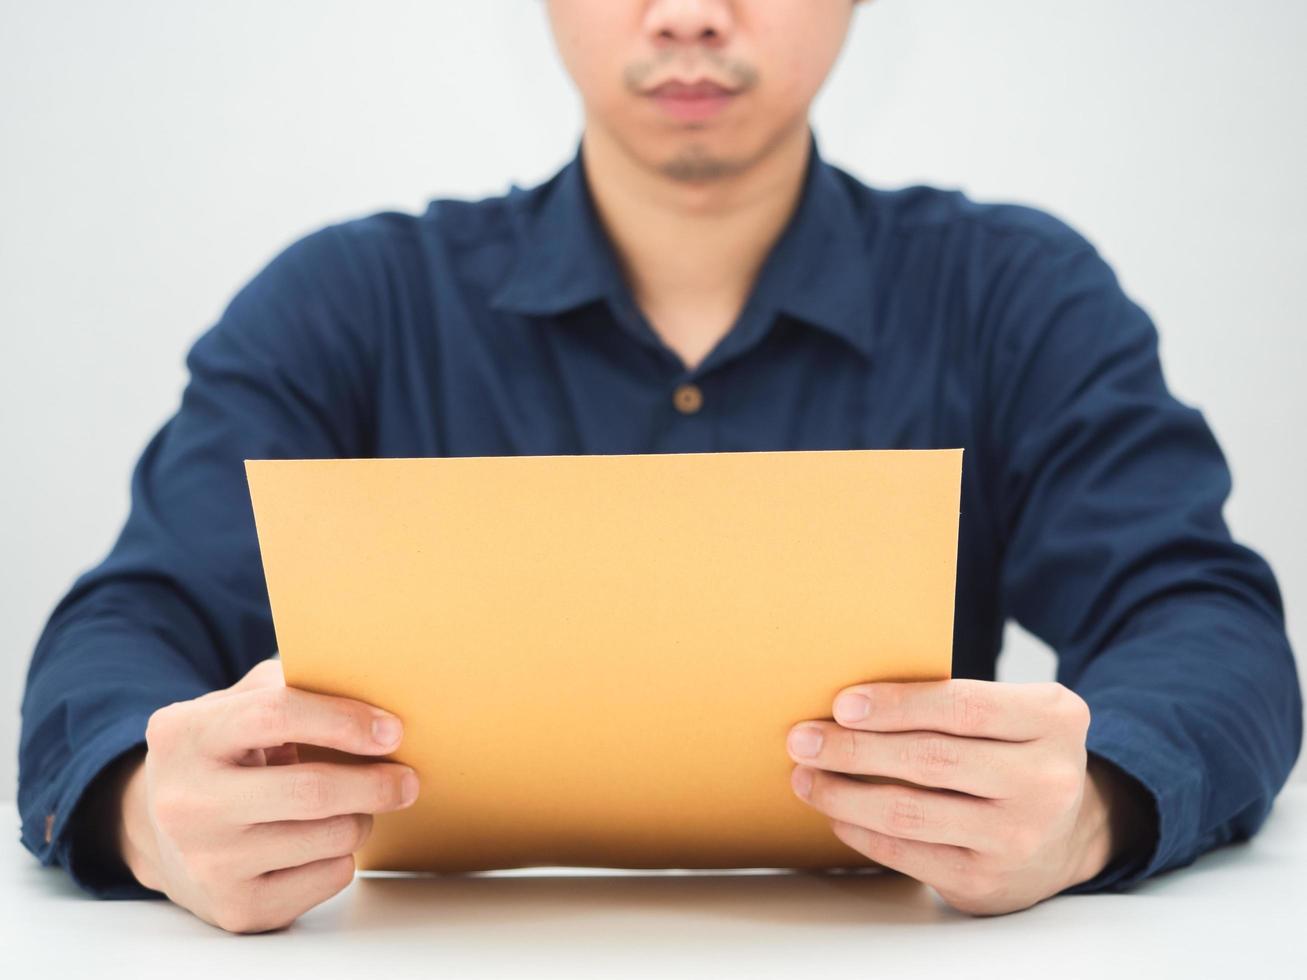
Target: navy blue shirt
[(906, 318)]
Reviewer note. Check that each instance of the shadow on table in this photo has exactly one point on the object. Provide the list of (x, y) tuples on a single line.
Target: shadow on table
[(788, 898)]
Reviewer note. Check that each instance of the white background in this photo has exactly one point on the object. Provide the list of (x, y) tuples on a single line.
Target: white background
[(155, 153)]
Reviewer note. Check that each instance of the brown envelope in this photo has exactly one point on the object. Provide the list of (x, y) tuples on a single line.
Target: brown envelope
[(597, 658)]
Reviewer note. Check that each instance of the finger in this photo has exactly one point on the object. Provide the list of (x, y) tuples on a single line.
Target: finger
[(979, 766), (314, 790), (282, 755), (271, 716), (931, 815), (963, 706), (252, 757), (278, 755), (939, 865), (290, 843), (280, 897)]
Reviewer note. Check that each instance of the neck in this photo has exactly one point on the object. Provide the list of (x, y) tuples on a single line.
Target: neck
[(691, 251)]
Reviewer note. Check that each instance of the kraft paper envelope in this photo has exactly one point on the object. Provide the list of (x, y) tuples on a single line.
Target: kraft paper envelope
[(597, 658)]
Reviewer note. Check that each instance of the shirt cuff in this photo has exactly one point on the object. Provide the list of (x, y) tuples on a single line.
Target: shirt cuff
[(46, 829), (1172, 778)]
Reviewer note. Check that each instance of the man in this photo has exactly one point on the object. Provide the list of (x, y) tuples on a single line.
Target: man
[(697, 278)]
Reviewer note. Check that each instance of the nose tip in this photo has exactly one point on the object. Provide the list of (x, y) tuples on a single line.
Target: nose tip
[(669, 34), (706, 22)]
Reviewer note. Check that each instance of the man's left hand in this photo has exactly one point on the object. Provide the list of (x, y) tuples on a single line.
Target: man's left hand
[(1007, 807)]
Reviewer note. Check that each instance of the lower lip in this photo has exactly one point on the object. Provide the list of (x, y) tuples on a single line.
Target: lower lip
[(694, 109)]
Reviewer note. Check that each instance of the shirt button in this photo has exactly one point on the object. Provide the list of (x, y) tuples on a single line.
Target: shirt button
[(688, 399), (49, 827)]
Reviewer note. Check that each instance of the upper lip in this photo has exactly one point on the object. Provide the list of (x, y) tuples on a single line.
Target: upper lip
[(695, 88)]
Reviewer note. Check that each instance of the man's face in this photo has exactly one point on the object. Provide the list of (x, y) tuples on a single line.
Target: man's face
[(698, 89)]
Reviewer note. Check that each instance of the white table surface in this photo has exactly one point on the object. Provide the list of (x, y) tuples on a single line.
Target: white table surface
[(1239, 911)]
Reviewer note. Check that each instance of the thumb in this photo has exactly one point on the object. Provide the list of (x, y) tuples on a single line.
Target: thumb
[(266, 673)]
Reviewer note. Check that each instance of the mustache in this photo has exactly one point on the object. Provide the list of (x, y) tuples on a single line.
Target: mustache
[(731, 73)]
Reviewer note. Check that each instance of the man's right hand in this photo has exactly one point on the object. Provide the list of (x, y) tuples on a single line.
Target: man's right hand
[(222, 817)]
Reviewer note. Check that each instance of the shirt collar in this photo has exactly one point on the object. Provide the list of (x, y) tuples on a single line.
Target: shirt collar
[(819, 270)]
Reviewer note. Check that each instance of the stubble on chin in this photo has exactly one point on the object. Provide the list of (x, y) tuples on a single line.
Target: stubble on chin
[(694, 163)]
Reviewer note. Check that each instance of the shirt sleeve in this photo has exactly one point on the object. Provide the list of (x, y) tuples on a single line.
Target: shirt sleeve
[(1110, 495), (178, 606)]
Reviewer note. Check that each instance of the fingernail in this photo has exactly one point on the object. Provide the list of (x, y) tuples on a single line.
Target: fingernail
[(851, 707), (802, 781), (408, 788), (386, 731), (805, 740)]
